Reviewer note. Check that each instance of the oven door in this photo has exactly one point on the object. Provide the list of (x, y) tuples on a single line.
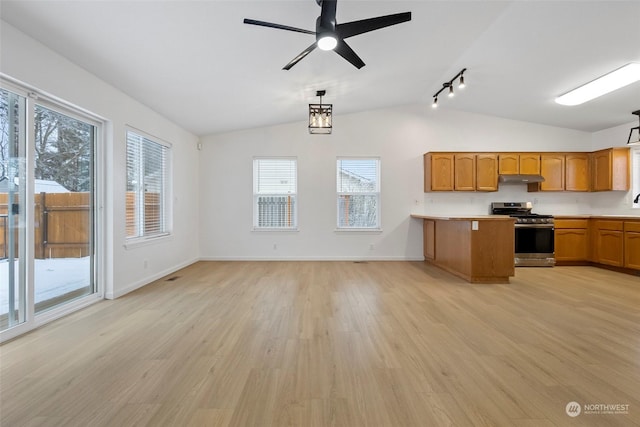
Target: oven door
[(534, 244)]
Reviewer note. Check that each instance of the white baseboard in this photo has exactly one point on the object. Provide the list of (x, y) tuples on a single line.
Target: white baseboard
[(143, 282), (312, 258)]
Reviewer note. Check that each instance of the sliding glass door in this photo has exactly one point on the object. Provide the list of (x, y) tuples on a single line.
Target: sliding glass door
[(13, 259), (47, 208)]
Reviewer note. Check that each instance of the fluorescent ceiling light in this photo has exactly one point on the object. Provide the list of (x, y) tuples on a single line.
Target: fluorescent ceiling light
[(616, 79)]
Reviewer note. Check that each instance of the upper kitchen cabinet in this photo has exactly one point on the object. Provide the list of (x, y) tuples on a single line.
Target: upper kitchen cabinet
[(464, 172), (438, 172), (508, 164), (576, 172), (519, 163), (610, 169), (529, 163), (487, 172), (552, 169)]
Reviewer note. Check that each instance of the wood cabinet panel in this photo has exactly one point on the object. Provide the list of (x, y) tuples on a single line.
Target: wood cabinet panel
[(610, 169), (429, 231), (438, 172), (572, 244), (609, 242), (529, 163), (508, 163), (576, 172), (465, 172), (632, 249), (552, 169), (487, 172)]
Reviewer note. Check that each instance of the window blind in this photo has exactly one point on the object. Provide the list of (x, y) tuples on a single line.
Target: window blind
[(147, 187), (275, 193), (358, 191)]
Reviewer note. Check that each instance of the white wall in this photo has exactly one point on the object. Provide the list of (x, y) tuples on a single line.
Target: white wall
[(30, 62), (399, 136)]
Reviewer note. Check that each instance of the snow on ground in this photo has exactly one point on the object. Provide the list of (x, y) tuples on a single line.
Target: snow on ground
[(53, 277)]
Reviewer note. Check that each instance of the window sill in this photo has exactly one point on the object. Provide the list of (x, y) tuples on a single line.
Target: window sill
[(359, 230), (261, 229), (146, 241)]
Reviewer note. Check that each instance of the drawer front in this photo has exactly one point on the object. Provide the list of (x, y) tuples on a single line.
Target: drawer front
[(632, 226), (571, 223), (610, 225)]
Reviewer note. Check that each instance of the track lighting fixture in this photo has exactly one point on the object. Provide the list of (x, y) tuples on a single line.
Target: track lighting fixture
[(449, 84), (320, 116)]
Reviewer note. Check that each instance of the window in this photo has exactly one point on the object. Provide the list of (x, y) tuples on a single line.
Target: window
[(147, 187), (275, 193), (358, 193)]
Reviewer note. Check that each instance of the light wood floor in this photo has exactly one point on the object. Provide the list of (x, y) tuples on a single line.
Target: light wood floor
[(335, 343)]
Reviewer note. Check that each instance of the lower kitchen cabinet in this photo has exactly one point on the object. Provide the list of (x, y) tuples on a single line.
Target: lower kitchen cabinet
[(571, 240), (429, 230), (609, 244), (632, 245)]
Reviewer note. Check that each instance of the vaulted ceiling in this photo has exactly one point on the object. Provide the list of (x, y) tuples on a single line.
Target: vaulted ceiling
[(196, 63)]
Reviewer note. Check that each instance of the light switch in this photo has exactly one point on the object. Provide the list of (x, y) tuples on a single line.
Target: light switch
[(474, 225)]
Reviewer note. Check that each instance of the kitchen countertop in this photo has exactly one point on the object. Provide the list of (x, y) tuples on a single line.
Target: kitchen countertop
[(629, 217), (464, 217)]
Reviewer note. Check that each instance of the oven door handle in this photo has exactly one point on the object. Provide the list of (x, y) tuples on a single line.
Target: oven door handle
[(535, 226)]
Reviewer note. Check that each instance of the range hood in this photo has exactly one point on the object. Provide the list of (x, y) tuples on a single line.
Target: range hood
[(520, 179)]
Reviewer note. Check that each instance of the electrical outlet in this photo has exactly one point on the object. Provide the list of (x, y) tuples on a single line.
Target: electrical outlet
[(275, 246), (371, 247), (145, 263)]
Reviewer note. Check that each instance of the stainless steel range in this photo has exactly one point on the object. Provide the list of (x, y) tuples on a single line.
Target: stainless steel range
[(534, 245)]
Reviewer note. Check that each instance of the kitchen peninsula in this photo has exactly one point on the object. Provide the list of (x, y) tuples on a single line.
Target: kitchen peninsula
[(479, 249)]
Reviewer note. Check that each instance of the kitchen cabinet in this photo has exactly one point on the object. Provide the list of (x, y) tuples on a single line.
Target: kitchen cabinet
[(571, 240), (576, 172), (552, 169), (610, 169), (429, 231), (632, 244), (508, 163), (438, 172), (529, 163), (464, 172), (609, 242), (486, 172)]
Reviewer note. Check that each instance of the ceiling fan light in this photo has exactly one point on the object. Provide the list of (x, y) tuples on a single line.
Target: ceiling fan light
[(614, 80), (327, 42)]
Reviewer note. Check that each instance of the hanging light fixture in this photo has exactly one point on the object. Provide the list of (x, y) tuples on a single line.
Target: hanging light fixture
[(449, 85), (637, 128), (320, 116)]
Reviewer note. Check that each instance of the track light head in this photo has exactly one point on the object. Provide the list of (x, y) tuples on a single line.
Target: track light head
[(451, 91), (461, 85), (435, 102)]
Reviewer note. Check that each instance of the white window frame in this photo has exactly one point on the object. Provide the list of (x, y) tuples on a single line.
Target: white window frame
[(256, 195), (166, 196), (377, 193)]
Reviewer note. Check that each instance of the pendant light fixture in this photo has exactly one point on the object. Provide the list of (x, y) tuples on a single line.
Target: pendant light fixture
[(637, 128), (320, 116), (449, 85)]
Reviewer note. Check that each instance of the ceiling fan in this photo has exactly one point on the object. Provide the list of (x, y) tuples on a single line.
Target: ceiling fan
[(330, 35)]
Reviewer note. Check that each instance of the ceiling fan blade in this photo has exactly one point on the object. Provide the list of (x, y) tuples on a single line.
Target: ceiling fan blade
[(278, 26), (300, 57), (344, 50), (353, 28)]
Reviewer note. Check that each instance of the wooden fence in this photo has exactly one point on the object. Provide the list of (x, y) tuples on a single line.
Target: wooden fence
[(62, 225)]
